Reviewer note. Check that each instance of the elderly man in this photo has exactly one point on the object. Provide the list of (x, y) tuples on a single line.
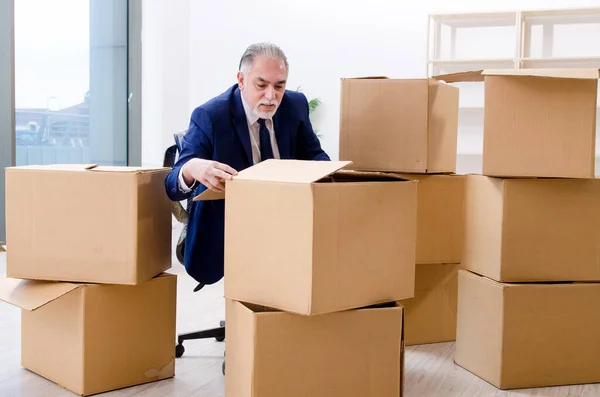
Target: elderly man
[(254, 120)]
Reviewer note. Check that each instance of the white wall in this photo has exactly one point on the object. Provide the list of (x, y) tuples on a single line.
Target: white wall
[(324, 41), (165, 75)]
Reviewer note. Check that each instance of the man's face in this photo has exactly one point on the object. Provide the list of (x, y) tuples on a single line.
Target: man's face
[(264, 85)]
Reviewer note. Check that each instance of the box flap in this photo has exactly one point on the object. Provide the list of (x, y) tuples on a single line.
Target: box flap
[(474, 75), (209, 195), (286, 171), (359, 175), (291, 171), (166, 274), (32, 294), (127, 169), (573, 73), (366, 78), (479, 75), (56, 167)]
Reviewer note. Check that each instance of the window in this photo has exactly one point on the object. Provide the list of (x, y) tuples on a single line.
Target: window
[(76, 83)]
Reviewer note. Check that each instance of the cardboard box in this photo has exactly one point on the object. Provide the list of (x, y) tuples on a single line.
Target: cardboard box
[(354, 353), (430, 317), (92, 338), (532, 229), (87, 224), (400, 125), (528, 335), (537, 122), (309, 238), (440, 217)]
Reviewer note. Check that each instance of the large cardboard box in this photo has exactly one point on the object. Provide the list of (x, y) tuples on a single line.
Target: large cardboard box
[(537, 122), (92, 338), (528, 335), (354, 353), (87, 224), (401, 125), (430, 317), (308, 238), (440, 217), (532, 229)]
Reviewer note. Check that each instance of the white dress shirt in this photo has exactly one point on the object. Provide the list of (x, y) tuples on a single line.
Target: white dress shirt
[(253, 129)]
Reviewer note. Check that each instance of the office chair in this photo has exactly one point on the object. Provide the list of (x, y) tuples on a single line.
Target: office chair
[(181, 215)]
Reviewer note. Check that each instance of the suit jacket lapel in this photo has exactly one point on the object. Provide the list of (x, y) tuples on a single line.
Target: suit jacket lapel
[(241, 124)]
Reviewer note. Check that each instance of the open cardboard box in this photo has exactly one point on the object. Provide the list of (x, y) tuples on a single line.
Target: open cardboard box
[(537, 122), (354, 353), (87, 223), (310, 238), (92, 338)]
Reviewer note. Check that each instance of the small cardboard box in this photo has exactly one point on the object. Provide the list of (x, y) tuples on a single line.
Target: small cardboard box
[(87, 224), (354, 353), (399, 125), (430, 317), (440, 217), (92, 338), (520, 230), (309, 238), (528, 335), (537, 122)]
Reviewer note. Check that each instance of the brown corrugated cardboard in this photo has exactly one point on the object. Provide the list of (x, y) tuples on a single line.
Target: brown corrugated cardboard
[(87, 224), (92, 338), (309, 238), (528, 335), (430, 317), (355, 353), (532, 229), (440, 217), (400, 125), (537, 122)]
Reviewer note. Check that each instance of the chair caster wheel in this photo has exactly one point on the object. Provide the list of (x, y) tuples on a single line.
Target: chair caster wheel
[(179, 350), (220, 338)]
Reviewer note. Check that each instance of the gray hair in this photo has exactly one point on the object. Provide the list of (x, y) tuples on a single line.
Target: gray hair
[(261, 49)]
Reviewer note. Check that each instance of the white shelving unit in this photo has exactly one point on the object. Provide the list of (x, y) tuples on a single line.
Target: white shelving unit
[(516, 39), (521, 39)]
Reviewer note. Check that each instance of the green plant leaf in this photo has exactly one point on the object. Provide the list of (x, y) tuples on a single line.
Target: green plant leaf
[(313, 104)]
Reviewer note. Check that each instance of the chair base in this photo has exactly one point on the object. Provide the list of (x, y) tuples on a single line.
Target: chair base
[(217, 333)]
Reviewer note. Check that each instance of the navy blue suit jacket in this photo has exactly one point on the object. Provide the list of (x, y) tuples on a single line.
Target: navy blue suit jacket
[(218, 131)]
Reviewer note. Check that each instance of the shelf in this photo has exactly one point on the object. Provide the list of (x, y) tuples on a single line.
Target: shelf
[(563, 61), (537, 27), (457, 16), (474, 61), (447, 66), (564, 12)]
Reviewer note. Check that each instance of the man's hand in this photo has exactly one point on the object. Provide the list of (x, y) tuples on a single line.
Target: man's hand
[(211, 174)]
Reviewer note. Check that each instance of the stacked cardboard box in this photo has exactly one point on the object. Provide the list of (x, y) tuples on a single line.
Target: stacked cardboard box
[(529, 299), (316, 258), (410, 126), (88, 248)]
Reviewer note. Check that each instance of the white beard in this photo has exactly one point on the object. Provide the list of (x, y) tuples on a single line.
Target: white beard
[(265, 115)]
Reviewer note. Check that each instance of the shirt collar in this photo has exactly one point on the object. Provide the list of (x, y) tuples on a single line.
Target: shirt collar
[(250, 116)]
